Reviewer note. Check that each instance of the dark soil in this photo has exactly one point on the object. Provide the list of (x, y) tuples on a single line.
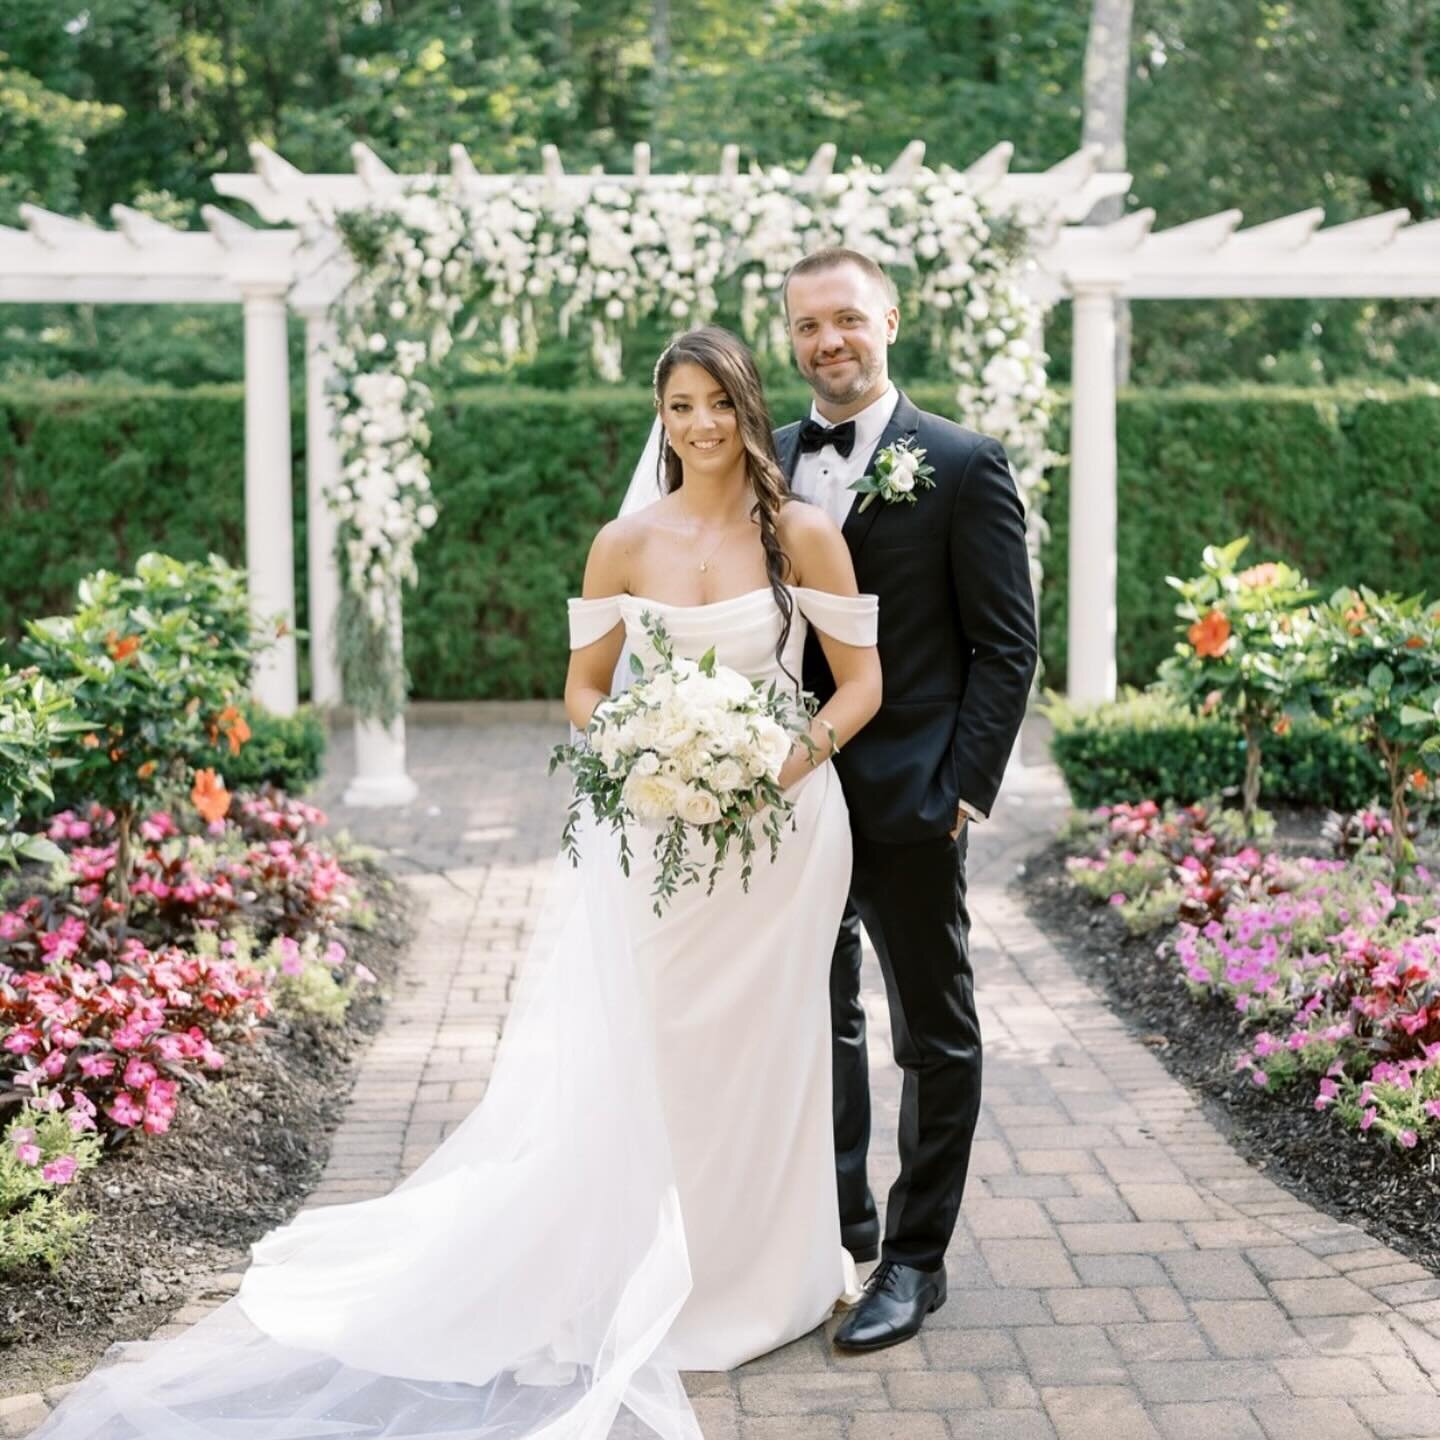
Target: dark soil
[(1393, 1194), (173, 1210)]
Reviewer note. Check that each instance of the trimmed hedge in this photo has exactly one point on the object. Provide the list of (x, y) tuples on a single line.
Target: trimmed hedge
[(1145, 746), (1344, 484)]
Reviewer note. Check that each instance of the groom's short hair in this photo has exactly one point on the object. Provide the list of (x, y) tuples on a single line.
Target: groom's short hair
[(831, 258)]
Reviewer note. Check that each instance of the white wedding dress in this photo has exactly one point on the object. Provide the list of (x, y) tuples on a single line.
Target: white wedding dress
[(647, 1187)]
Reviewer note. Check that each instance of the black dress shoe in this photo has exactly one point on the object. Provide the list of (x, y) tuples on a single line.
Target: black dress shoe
[(897, 1300), (862, 1241)]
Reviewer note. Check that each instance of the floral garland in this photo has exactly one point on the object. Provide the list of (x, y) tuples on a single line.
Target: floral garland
[(429, 263)]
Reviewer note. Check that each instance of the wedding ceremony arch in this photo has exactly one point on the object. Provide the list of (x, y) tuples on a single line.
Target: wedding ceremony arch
[(309, 265)]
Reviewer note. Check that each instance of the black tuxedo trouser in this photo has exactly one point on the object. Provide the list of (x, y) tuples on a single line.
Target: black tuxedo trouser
[(911, 899)]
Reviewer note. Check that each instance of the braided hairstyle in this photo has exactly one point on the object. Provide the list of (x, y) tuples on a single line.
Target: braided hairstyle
[(730, 362)]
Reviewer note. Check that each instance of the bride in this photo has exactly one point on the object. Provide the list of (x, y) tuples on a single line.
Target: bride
[(648, 1185)]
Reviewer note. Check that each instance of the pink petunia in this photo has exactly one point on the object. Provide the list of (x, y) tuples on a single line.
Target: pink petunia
[(1368, 1118), (28, 1154), (1409, 1139), (291, 961)]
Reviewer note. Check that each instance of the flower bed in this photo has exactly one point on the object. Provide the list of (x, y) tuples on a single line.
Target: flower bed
[(112, 1012), (1331, 966)]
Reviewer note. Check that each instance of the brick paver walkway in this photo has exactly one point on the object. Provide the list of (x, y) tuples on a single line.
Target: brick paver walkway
[(1118, 1273)]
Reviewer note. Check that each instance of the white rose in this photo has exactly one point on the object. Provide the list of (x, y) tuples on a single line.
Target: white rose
[(650, 797), (728, 775), (901, 481), (732, 687), (647, 762), (770, 747), (697, 807)]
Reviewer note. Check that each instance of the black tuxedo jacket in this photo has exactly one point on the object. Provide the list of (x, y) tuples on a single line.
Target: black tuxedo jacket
[(957, 633)]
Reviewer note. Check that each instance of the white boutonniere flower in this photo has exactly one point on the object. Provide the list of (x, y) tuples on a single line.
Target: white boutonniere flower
[(899, 471)]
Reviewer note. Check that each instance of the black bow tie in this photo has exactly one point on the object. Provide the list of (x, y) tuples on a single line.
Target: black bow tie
[(813, 435)]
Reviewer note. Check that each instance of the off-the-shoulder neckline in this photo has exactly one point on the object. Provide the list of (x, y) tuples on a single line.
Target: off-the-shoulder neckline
[(712, 604)]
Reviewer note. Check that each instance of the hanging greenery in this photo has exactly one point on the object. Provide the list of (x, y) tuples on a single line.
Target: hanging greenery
[(593, 260)]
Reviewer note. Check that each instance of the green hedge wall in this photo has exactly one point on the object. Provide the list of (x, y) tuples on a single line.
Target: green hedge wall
[(1345, 484)]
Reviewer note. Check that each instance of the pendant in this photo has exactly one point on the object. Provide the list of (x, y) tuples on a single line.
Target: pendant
[(704, 566)]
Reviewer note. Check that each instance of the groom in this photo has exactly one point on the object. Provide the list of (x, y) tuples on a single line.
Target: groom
[(958, 650)]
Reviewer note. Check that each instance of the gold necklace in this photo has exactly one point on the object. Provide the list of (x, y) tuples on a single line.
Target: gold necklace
[(715, 550)]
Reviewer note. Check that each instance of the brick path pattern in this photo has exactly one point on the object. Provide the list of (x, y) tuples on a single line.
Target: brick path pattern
[(1119, 1272)]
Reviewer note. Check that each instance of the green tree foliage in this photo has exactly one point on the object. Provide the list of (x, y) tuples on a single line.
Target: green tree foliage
[(1268, 107)]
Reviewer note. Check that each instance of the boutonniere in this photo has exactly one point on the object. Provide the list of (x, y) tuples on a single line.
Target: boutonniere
[(900, 470)]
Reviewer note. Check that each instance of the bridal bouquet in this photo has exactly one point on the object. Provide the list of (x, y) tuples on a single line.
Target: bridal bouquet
[(693, 749)]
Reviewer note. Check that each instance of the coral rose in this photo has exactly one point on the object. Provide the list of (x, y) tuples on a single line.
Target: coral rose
[(1210, 635), (1258, 576)]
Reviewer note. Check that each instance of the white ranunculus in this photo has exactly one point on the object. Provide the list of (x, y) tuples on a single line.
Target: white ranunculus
[(650, 797), (697, 807), (647, 762)]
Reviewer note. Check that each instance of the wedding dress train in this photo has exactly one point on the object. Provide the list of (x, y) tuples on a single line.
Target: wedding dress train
[(647, 1187)]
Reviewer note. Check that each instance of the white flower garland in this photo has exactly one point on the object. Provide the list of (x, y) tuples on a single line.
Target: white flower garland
[(600, 262)]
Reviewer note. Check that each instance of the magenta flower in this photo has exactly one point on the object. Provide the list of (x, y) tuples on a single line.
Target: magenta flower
[(96, 1067), (125, 1110), (1368, 1118), (139, 1073), (1408, 1138), (61, 1170), (28, 1154)]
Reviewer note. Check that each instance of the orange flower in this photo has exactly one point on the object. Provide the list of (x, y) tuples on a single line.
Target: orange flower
[(1354, 615), (91, 741), (237, 732), (146, 770), (121, 650), (210, 796), (116, 754), (1282, 725), (1415, 642), (1210, 635), (1419, 779), (1260, 575)]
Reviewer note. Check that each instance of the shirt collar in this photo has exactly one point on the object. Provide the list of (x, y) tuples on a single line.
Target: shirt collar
[(870, 422)]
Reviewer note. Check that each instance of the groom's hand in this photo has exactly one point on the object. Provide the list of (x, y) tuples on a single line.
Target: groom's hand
[(960, 820)]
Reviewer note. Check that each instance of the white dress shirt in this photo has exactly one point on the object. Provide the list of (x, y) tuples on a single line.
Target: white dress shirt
[(824, 476)]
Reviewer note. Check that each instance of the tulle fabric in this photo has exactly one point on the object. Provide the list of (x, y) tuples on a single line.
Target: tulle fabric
[(517, 1284)]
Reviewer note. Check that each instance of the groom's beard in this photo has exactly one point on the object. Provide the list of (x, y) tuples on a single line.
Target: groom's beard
[(838, 392)]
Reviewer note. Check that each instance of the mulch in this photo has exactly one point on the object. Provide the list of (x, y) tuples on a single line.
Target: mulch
[(1391, 1193), (172, 1211)]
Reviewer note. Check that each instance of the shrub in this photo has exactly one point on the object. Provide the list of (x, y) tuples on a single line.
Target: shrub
[(155, 663), (283, 750), (1382, 659), (1245, 654), (1146, 743), (36, 717)]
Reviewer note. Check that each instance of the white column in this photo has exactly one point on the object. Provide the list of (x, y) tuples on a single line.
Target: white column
[(269, 540), (380, 777), (1091, 619), (322, 471)]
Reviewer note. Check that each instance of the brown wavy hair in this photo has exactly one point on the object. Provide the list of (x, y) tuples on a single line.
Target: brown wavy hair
[(730, 361)]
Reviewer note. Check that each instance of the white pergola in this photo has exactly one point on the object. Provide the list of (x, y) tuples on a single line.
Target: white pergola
[(142, 261)]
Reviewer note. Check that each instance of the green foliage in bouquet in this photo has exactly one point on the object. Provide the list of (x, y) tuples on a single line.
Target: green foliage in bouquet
[(693, 749), (1245, 652), (1382, 662), (36, 719), (156, 663)]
